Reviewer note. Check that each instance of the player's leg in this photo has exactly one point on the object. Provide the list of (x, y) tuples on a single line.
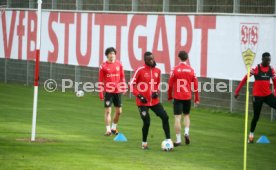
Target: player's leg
[(187, 122), (144, 113), (107, 113), (107, 118), (160, 112), (271, 101), (118, 111), (177, 110), (257, 107), (114, 129)]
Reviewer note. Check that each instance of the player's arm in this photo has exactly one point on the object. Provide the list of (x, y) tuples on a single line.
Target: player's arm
[(155, 93), (196, 94), (133, 83), (122, 79), (101, 83), (237, 91), (171, 80), (133, 86)]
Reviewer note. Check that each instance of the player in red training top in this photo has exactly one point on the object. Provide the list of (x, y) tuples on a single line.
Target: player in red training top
[(144, 85), (181, 84), (111, 84), (261, 90)]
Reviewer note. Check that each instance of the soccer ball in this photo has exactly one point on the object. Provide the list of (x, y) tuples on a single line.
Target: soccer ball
[(80, 93), (167, 145)]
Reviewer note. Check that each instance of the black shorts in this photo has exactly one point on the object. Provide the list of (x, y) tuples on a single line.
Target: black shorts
[(181, 106), (110, 98)]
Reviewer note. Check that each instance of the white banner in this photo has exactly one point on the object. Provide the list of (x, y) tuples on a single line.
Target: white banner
[(215, 43)]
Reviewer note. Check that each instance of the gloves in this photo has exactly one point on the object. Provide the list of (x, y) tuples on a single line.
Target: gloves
[(142, 98), (154, 95)]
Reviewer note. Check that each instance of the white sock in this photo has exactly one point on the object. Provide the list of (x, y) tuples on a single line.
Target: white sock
[(108, 129), (251, 134), (187, 131), (178, 138), (114, 126), (144, 143)]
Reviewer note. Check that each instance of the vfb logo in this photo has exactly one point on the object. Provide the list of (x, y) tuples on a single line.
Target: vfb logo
[(249, 38)]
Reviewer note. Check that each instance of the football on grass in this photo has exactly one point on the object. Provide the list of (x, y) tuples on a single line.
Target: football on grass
[(80, 93), (167, 145)]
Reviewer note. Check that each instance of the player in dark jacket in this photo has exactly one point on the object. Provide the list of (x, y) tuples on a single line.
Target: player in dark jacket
[(261, 90), (144, 85)]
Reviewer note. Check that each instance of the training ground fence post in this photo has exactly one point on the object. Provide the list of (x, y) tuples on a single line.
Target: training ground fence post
[(79, 4), (134, 5), (77, 75), (236, 6), (9, 3), (166, 6), (54, 4), (199, 6), (27, 77), (106, 5), (6, 63), (51, 70), (271, 115), (275, 7), (231, 95)]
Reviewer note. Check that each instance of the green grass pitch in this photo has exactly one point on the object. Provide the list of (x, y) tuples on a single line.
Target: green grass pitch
[(71, 129)]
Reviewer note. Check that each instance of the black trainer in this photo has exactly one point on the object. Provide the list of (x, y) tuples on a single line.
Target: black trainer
[(176, 144), (187, 139), (114, 131)]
